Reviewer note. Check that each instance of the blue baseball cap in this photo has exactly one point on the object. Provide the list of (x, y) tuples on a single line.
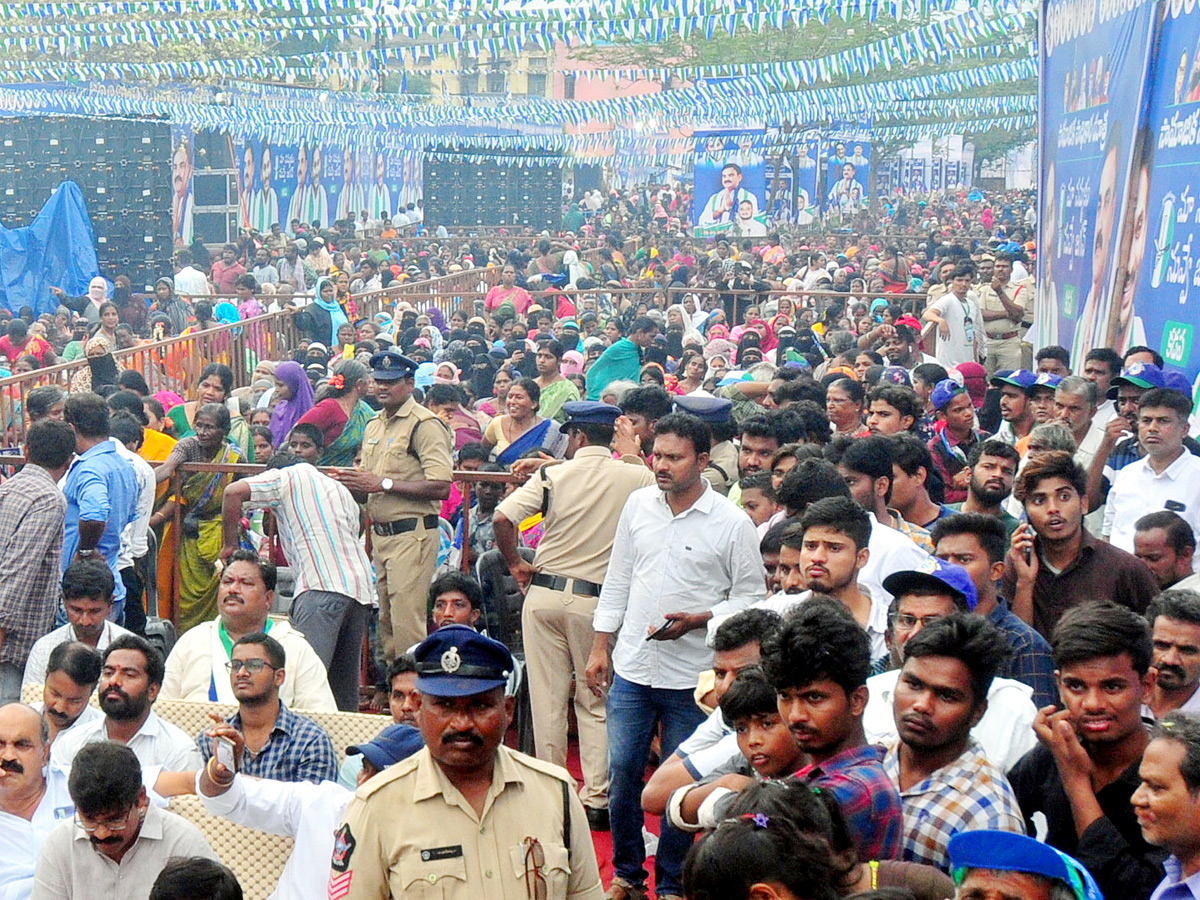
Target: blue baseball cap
[(1005, 851), (1177, 381), (1045, 380), (945, 391), (589, 412), (394, 743), (713, 410), (392, 365), (1146, 376), (1018, 378), (458, 661), (936, 574)]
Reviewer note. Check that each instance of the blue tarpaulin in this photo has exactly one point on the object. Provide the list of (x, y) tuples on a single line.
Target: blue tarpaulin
[(57, 248)]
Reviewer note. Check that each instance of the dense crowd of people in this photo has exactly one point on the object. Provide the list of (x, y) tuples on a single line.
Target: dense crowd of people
[(895, 602)]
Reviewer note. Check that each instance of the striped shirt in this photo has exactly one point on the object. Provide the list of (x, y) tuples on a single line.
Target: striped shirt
[(968, 794), (318, 526)]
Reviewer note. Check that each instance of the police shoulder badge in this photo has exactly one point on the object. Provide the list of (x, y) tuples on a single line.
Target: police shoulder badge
[(343, 849)]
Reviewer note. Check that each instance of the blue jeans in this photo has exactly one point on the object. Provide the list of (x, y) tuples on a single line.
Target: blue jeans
[(633, 712)]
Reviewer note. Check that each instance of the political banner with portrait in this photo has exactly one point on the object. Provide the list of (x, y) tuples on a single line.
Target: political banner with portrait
[(323, 184), (1094, 66), (847, 167), (730, 183), (792, 174), (183, 142), (1155, 306)]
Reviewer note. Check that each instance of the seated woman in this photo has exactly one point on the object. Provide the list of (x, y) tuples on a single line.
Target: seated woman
[(343, 413), (522, 429)]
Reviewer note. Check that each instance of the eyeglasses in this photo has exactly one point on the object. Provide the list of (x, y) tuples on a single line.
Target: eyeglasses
[(119, 823), (253, 666), (535, 861), (909, 622)]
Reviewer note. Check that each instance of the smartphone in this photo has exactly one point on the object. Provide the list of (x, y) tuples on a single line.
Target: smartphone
[(659, 632), (223, 749)]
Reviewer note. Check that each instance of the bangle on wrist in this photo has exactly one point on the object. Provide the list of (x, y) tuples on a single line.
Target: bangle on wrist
[(213, 778)]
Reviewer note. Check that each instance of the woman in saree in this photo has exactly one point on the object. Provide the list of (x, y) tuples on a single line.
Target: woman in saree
[(343, 413), (555, 388), (200, 538), (214, 386), (510, 436)]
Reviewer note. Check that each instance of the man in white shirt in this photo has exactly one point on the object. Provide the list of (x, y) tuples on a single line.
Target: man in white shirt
[(1167, 477), (1075, 407), (335, 584), (117, 842), (189, 282), (682, 554), (33, 797), (960, 334), (87, 599), (1005, 732), (130, 680), (308, 813), (244, 597), (1166, 544), (71, 677)]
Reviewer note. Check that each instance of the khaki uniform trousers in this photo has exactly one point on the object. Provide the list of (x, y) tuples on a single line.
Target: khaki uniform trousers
[(1003, 354), (404, 565), (558, 636)]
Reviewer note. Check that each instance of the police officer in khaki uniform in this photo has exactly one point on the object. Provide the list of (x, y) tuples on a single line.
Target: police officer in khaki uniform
[(406, 472), (581, 501), (717, 413), (466, 818)]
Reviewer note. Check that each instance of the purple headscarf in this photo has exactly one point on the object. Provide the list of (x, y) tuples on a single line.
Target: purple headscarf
[(288, 412), (436, 318)]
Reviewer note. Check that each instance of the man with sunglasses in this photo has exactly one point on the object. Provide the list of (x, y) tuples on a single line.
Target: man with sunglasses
[(465, 816), (279, 743), (117, 842)]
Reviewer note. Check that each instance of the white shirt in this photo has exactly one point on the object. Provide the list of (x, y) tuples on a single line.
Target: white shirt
[(21, 839), (306, 812), (1104, 414), (190, 282), (39, 654), (1086, 451), (157, 743), (890, 551), (196, 664), (1005, 732), (134, 543), (962, 345), (708, 746), (318, 525), (706, 559), (1137, 491), (89, 714)]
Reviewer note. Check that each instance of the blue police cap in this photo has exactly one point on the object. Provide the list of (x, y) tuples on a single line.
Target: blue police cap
[(937, 574), (713, 410), (458, 661), (394, 743), (588, 412), (1004, 851), (392, 365)]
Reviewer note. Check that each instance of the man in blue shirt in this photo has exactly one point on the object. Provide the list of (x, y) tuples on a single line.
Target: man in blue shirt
[(1167, 802), (101, 491)]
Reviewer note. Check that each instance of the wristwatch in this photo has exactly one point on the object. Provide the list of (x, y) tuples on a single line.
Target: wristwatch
[(386, 485)]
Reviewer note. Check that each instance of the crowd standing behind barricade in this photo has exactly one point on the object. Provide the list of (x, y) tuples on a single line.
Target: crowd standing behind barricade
[(893, 600)]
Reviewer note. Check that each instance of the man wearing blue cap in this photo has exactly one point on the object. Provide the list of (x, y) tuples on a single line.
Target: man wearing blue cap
[(465, 816), (1000, 865), (580, 501), (1015, 409), (305, 811), (717, 413), (953, 442), (405, 474)]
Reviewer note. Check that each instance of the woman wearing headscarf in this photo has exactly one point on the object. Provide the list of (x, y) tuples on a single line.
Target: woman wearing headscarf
[(101, 368), (170, 304), (322, 318), (294, 397), (676, 314), (89, 304), (343, 414)]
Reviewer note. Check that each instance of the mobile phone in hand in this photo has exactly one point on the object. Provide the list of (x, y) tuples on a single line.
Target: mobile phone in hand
[(659, 632), (223, 749)]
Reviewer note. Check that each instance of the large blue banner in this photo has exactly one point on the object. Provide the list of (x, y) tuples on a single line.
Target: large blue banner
[(730, 183), (848, 168), (1095, 56), (792, 170), (1156, 307)]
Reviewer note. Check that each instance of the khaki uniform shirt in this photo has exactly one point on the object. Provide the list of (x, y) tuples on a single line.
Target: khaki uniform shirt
[(989, 301), (385, 452), (409, 833), (587, 494), (722, 471)]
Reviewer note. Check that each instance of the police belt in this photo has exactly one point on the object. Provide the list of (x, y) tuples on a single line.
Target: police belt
[(403, 526), (559, 583)]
